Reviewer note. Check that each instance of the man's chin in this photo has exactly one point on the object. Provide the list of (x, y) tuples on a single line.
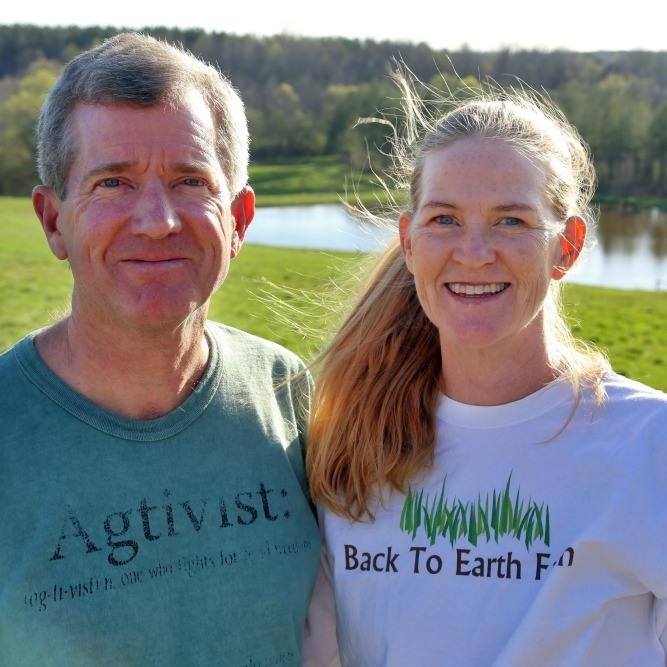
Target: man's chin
[(161, 315)]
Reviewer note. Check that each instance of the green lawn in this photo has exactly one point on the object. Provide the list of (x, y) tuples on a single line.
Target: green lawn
[(321, 180), (291, 296), (630, 325)]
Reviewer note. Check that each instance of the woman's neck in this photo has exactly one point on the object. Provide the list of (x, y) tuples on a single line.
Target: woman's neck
[(496, 375)]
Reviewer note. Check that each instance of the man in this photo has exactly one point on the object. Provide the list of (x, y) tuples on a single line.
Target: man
[(151, 463)]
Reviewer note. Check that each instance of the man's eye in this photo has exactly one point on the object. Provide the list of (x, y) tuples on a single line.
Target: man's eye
[(444, 220), (110, 182), (194, 182)]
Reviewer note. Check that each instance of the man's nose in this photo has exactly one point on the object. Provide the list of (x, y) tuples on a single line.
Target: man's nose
[(475, 247), (155, 215)]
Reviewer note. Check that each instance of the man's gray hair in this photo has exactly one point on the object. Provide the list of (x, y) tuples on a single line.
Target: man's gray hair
[(136, 69)]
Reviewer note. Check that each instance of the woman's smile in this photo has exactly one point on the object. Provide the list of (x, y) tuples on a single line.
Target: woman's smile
[(476, 290)]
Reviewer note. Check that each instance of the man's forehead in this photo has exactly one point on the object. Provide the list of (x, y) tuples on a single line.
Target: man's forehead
[(190, 114), (121, 132)]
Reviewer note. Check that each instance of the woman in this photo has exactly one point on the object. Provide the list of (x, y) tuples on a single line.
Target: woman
[(490, 491)]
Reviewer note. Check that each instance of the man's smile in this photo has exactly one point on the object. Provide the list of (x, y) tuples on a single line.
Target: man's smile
[(151, 266)]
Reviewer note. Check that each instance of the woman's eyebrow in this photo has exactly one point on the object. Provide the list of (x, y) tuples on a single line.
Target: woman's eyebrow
[(515, 206), (512, 206), (438, 204)]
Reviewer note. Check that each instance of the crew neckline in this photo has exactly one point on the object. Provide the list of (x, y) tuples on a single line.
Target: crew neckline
[(139, 430), (534, 405)]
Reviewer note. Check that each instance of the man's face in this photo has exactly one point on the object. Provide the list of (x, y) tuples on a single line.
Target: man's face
[(148, 224)]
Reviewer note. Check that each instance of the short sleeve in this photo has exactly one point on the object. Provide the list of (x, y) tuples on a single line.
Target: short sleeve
[(302, 393), (320, 646)]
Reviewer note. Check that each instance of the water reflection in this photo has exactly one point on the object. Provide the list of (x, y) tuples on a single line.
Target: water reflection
[(327, 227), (631, 251), (620, 231), (631, 248)]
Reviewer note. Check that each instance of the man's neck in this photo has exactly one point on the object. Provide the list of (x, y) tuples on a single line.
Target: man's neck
[(136, 374)]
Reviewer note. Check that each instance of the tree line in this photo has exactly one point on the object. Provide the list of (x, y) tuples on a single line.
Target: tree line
[(304, 95)]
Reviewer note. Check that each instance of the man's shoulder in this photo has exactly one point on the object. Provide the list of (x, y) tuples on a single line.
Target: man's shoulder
[(253, 349), (9, 363), (16, 382)]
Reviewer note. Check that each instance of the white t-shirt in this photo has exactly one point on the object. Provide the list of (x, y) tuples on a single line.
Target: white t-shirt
[(530, 542)]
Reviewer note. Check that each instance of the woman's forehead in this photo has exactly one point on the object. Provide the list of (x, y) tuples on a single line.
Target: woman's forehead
[(477, 170)]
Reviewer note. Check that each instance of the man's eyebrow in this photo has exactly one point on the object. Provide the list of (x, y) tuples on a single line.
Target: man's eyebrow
[(191, 167), (109, 168)]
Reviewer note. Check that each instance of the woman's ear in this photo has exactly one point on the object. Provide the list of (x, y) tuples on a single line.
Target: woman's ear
[(571, 243), (404, 236)]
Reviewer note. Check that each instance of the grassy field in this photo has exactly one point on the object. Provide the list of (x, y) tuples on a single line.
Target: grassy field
[(321, 180), (291, 296)]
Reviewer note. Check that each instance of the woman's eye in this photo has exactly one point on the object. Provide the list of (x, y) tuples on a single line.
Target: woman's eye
[(444, 220), (511, 222)]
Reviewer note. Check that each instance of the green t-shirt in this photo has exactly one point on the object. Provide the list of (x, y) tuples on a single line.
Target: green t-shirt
[(183, 540)]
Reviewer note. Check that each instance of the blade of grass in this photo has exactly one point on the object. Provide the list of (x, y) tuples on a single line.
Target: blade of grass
[(406, 512), (472, 527), (494, 516), (529, 531), (547, 529)]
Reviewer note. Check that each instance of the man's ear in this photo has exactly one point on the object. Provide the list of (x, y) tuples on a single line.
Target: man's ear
[(571, 243), (47, 207), (243, 211), (404, 236)]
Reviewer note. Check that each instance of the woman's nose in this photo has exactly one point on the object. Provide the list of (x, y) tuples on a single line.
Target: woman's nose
[(474, 247)]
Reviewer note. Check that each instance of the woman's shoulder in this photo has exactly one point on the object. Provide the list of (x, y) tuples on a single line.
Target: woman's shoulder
[(633, 421), (630, 396), (623, 388)]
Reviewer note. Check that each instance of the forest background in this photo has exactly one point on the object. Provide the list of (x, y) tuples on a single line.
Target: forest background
[(304, 95)]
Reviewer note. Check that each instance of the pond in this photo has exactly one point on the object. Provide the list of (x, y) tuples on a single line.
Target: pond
[(630, 251)]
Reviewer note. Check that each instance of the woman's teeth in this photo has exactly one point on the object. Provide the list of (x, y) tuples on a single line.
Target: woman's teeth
[(476, 290)]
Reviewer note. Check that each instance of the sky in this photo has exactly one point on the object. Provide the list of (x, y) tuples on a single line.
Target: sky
[(576, 25)]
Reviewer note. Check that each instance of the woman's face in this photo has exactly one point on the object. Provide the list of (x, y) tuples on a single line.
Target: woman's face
[(483, 244)]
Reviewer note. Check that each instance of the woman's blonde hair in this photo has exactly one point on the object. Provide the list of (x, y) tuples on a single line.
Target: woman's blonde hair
[(373, 418)]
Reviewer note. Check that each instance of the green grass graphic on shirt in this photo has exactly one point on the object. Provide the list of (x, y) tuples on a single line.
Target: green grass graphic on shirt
[(501, 513)]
